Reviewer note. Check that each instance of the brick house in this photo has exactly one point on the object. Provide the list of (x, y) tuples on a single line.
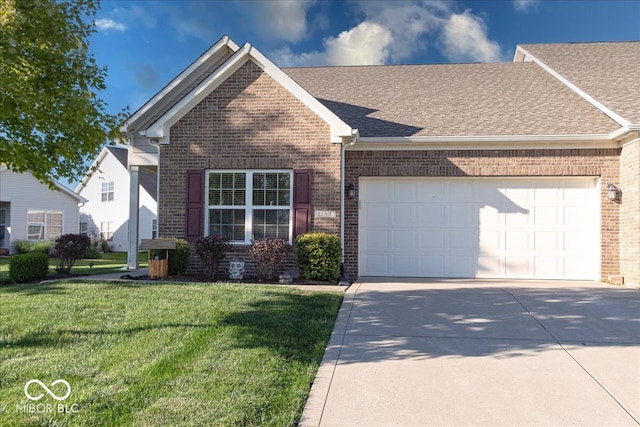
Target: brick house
[(459, 170)]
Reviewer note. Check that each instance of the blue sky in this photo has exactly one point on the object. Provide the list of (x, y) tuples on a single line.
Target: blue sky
[(144, 44)]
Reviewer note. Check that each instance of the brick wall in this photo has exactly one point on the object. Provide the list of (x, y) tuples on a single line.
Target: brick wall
[(630, 213), (248, 122), (488, 163)]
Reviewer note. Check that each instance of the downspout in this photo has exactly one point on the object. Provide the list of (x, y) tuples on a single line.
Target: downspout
[(344, 280)]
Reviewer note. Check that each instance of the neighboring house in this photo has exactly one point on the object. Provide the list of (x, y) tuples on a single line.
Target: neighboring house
[(30, 210), (460, 170), (106, 187)]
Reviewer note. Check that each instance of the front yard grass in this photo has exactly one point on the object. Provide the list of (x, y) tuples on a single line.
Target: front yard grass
[(159, 355), (111, 262)]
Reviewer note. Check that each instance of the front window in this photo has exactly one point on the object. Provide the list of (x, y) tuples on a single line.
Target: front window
[(43, 225), (3, 222), (249, 205), (107, 191)]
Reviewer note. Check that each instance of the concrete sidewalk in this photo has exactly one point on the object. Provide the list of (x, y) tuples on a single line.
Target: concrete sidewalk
[(456, 352)]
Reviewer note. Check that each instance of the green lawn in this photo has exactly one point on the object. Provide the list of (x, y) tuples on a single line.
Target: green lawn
[(160, 355), (111, 262)]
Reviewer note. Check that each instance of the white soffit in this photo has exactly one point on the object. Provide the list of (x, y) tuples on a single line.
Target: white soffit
[(489, 142)]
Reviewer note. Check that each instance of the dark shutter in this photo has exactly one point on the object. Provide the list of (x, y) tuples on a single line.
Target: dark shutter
[(301, 201), (194, 215)]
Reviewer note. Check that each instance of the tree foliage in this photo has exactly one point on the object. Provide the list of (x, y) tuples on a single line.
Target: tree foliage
[(51, 119)]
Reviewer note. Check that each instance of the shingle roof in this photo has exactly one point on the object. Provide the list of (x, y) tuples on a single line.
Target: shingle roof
[(609, 72), (452, 100), (147, 178)]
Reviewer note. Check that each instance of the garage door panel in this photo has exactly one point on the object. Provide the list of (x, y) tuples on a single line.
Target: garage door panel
[(480, 227)]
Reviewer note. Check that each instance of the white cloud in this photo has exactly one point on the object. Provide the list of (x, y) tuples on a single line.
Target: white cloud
[(464, 38), (282, 19), (392, 32), (366, 44), (524, 6), (107, 24)]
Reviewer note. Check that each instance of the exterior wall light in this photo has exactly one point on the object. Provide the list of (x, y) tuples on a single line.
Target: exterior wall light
[(351, 191), (613, 192)]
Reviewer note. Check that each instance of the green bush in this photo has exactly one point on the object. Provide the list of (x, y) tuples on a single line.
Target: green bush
[(29, 267), (318, 256), (43, 246), (268, 255), (92, 253), (69, 248), (23, 246), (179, 258), (211, 250)]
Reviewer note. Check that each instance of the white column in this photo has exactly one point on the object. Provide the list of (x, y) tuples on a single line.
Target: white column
[(134, 213)]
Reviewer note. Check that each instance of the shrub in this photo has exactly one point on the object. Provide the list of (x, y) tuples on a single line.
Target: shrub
[(69, 248), (29, 267), (179, 258), (211, 250), (268, 255), (318, 256), (43, 246), (92, 253), (23, 246)]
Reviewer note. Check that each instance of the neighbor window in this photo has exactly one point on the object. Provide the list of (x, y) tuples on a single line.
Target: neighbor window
[(154, 228), (106, 230), (3, 222), (43, 225), (84, 228), (107, 191), (249, 205)]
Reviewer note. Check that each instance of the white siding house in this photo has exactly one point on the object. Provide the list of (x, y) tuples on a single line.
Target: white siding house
[(30, 210), (106, 187)]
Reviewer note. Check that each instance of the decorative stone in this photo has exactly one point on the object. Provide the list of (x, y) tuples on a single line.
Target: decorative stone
[(294, 273), (236, 269), (286, 278)]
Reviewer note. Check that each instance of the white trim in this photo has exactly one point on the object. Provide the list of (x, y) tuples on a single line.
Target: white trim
[(160, 128), (488, 142), (614, 116), (225, 41), (248, 207)]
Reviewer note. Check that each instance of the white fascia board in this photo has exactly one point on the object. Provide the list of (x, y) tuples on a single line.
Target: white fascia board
[(615, 117), (68, 192), (489, 142), (339, 129), (225, 41), (160, 129)]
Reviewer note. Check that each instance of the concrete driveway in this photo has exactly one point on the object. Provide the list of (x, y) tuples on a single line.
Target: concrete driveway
[(422, 352)]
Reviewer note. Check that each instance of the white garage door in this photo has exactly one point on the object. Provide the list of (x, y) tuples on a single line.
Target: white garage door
[(490, 228)]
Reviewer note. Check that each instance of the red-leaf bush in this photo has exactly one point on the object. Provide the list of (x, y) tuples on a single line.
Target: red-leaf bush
[(268, 254), (211, 250), (69, 248)]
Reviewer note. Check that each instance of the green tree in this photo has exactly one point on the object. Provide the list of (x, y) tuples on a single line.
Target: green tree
[(51, 119)]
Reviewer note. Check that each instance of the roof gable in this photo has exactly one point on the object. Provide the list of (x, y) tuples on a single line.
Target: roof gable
[(148, 179), (165, 118), (59, 186), (605, 74)]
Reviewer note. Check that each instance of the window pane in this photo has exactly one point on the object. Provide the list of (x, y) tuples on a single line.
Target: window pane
[(271, 189), (227, 222), (227, 189), (270, 223)]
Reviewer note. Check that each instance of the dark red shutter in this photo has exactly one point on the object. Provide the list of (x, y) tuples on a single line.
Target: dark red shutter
[(194, 215), (301, 201)]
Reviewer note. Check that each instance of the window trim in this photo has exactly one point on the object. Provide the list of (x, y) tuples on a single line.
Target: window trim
[(108, 192), (248, 207), (45, 224)]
